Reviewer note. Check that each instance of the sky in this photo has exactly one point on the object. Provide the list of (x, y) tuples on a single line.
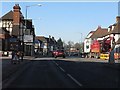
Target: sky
[(70, 21)]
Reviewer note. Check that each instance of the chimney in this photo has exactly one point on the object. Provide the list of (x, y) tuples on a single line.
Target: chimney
[(99, 27), (16, 14), (109, 28), (16, 20), (49, 37), (118, 19)]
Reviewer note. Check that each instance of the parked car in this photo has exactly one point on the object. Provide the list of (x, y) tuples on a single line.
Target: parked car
[(104, 56), (58, 53)]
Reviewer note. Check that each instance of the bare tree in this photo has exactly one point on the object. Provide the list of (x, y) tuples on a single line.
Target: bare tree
[(77, 46), (70, 44)]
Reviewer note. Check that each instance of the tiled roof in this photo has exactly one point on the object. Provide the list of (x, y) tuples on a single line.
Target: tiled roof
[(118, 42), (41, 38), (8, 15), (116, 30), (100, 32), (91, 32)]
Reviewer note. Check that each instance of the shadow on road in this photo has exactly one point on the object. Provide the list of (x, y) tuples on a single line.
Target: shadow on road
[(90, 74)]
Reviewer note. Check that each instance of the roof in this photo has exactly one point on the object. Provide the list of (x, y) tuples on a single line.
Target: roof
[(100, 32), (91, 32), (41, 38), (118, 42), (8, 16), (116, 30)]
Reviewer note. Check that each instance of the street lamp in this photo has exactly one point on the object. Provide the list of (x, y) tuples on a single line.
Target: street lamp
[(26, 20), (31, 6)]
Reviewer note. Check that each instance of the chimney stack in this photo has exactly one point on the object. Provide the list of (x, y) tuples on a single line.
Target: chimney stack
[(109, 28), (16, 14), (118, 19), (16, 20)]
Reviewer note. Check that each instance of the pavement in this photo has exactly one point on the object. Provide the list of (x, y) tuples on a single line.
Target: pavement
[(115, 65), (8, 69), (87, 59), (25, 57)]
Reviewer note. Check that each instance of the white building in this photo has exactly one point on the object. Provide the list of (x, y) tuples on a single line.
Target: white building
[(87, 42)]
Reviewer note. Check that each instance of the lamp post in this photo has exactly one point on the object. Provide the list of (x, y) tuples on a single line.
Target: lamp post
[(26, 19), (31, 6)]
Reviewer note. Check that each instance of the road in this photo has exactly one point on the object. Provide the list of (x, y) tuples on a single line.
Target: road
[(63, 73)]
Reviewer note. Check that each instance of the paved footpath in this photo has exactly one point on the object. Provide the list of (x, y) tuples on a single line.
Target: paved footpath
[(87, 59), (8, 68), (116, 65)]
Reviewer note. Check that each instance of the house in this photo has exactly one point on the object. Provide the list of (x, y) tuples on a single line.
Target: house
[(52, 44), (117, 47), (116, 36), (38, 47), (93, 38), (29, 38), (114, 33), (108, 38), (87, 43), (13, 22), (4, 41), (45, 45), (19, 29)]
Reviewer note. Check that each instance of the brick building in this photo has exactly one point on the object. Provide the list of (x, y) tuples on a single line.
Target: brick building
[(14, 23)]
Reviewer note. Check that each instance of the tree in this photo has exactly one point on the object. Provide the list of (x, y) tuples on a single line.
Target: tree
[(65, 45), (60, 43), (77, 46), (70, 44)]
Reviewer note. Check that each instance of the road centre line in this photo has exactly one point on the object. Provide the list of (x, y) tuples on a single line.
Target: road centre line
[(70, 76), (55, 63), (75, 80), (62, 69)]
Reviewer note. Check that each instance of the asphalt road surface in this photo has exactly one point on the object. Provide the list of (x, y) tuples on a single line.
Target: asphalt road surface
[(40, 74), (60, 73)]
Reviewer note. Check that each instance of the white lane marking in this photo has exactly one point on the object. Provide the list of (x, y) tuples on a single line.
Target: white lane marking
[(62, 69), (59, 66), (69, 75), (56, 64), (75, 80)]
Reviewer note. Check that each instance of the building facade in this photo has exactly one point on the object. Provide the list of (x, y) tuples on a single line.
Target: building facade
[(15, 23)]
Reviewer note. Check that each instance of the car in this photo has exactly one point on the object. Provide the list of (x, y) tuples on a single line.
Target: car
[(58, 53), (104, 56)]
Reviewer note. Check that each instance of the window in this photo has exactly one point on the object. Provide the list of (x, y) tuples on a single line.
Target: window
[(87, 46)]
